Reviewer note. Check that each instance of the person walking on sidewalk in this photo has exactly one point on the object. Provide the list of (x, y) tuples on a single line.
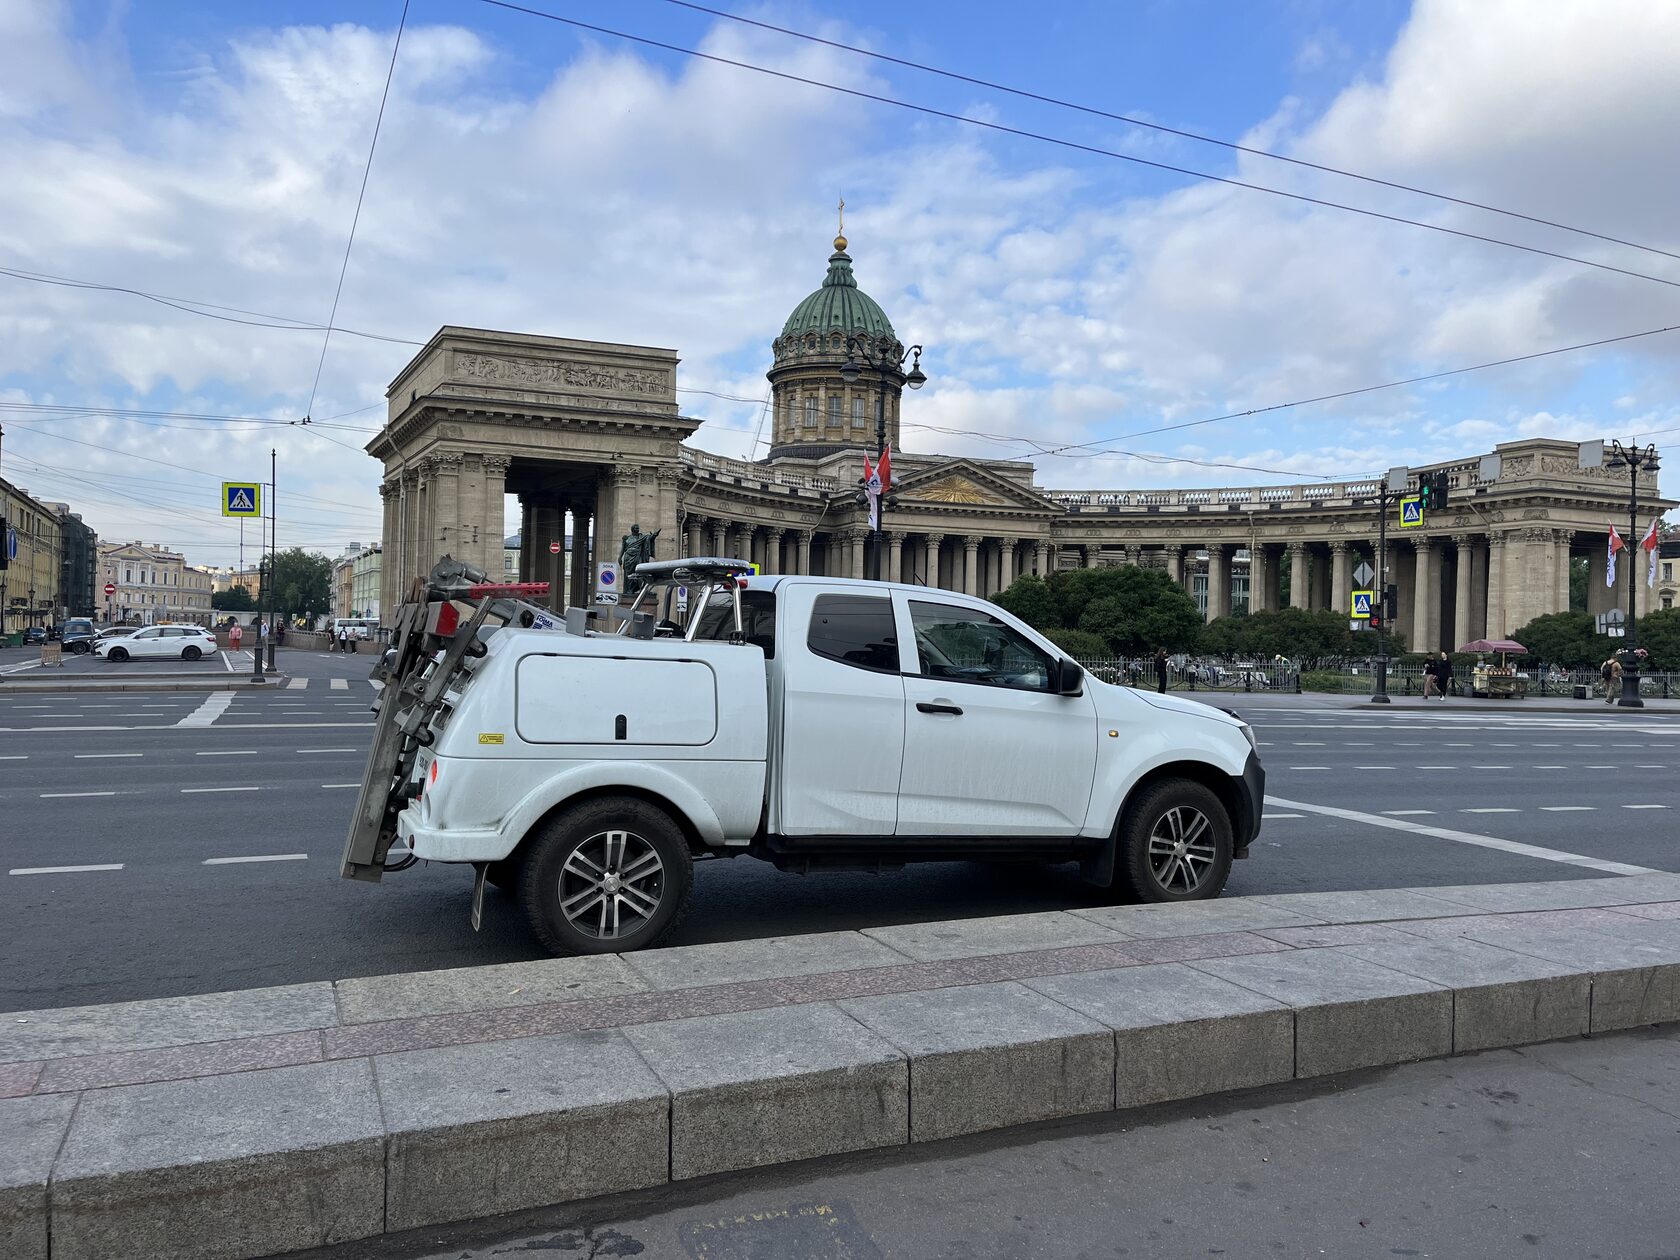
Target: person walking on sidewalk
[(1431, 679), (1161, 670), (1444, 673), (1611, 673), (235, 635)]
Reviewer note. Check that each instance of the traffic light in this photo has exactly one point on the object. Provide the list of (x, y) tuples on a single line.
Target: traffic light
[(1391, 601), (1432, 491)]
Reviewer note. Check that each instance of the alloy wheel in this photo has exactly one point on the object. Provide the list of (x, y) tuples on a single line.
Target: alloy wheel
[(1181, 849), (611, 885)]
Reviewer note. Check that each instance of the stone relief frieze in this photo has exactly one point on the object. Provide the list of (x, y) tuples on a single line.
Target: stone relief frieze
[(1535, 514), (485, 367)]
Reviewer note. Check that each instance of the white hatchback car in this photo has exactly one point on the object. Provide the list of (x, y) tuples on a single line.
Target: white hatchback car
[(189, 643)]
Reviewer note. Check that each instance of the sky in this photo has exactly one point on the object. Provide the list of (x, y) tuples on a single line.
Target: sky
[(534, 176)]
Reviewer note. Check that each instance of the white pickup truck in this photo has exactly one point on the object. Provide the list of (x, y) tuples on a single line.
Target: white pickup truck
[(808, 721)]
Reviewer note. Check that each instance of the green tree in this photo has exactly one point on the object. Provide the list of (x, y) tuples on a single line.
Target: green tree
[(1030, 600), (1578, 584), (234, 599), (1566, 638), (1078, 643), (1133, 610), (1227, 637), (302, 583), (1659, 634)]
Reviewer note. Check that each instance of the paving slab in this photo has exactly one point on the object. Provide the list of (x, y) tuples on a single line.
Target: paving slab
[(479, 1130), (447, 992), (1634, 981), (31, 1131), (987, 1056), (994, 934), (768, 1086), (772, 958), (1554, 894), (223, 1167), (157, 1022), (1366, 906), (1194, 918), (1180, 1033), (1500, 997), (1349, 1013)]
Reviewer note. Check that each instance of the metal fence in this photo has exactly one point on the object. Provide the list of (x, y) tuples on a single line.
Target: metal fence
[(1194, 675)]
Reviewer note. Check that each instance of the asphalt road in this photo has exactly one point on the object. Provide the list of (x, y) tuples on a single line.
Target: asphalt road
[(1555, 1152), (204, 834)]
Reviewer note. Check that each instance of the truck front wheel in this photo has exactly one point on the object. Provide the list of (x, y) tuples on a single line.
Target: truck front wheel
[(606, 876), (1175, 843)]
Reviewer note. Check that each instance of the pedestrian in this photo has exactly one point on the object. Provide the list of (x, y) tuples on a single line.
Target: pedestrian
[(280, 634), (1161, 670), (344, 638), (1431, 679), (1611, 673), (235, 636), (1444, 673)]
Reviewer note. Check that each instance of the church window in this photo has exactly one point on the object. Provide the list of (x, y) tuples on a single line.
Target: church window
[(834, 411), (811, 413), (857, 413)]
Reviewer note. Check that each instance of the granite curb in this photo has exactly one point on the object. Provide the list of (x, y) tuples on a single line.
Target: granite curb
[(251, 1124), (241, 681)]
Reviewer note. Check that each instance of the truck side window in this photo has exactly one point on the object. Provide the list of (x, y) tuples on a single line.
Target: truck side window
[(965, 645), (856, 629), (758, 619)]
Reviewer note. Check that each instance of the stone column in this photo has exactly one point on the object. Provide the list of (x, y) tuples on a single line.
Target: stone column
[(930, 559), (855, 539), (1560, 595), (1007, 577), (773, 550), (1601, 598), (895, 556), (1496, 587), (1219, 580), (1341, 577), (494, 511), (739, 546), (1259, 578), (1041, 559), (971, 563), (1300, 575), (390, 572), (669, 544), (691, 535), (1174, 556), (802, 551), (1466, 545), (1426, 594), (719, 547)]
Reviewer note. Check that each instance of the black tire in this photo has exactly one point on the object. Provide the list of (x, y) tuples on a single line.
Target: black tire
[(1170, 869), (504, 875), (576, 839), (191, 654), (117, 654)]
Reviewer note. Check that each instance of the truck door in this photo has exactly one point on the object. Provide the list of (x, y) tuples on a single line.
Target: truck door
[(989, 749), (842, 713)]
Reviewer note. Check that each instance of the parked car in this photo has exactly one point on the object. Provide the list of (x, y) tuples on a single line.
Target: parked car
[(78, 635), (189, 643), (34, 636)]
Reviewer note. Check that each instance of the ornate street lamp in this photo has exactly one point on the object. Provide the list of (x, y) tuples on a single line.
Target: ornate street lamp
[(1635, 461), (883, 363)]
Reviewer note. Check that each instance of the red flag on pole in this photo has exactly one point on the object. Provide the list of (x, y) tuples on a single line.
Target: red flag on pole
[(1649, 542), (1616, 544), (885, 470)]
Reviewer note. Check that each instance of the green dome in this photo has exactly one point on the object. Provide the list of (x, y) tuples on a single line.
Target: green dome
[(839, 306)]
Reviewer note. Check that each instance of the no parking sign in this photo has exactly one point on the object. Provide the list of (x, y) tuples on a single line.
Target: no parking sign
[(606, 582)]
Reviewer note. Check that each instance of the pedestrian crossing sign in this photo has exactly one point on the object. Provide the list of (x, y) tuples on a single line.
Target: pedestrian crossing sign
[(1362, 601), (1411, 512), (241, 498)]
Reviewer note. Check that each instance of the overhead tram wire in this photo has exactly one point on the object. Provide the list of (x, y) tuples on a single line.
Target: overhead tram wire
[(356, 218), (1076, 146), (1162, 128)]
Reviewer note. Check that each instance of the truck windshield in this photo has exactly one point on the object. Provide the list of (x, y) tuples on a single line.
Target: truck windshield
[(758, 619)]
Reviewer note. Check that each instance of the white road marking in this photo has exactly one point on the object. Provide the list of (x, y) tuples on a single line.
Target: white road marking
[(213, 707), (62, 870), (1569, 809), (48, 796), (1406, 813), (1650, 767), (1309, 767), (340, 785), (228, 662), (1490, 809), (196, 791), (339, 684), (328, 750), (1644, 806), (104, 756), (229, 752), (297, 684), (1304, 744), (1269, 817), (15, 757), (265, 857), (1490, 767), (1466, 837)]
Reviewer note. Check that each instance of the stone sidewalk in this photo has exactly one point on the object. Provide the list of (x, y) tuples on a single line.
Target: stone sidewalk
[(247, 1124)]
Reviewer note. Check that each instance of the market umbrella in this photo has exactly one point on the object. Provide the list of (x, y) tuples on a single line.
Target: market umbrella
[(1493, 645)]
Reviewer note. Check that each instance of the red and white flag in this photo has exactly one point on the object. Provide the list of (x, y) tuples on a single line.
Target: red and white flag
[(885, 470), (1649, 542), (1616, 544), (872, 490)]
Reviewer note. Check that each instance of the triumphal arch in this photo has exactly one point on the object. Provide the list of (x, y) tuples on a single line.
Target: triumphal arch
[(591, 439)]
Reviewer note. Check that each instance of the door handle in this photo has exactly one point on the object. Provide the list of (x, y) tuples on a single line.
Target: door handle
[(923, 706)]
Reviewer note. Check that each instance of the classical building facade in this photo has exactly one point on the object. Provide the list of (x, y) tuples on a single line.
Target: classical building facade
[(590, 438), (154, 586), (30, 586)]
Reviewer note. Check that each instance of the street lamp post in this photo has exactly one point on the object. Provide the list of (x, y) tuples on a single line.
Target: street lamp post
[(883, 363), (1635, 461)]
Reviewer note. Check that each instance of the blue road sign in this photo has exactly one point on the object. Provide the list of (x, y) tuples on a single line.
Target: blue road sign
[(1411, 512), (11, 544), (1362, 601), (241, 498)]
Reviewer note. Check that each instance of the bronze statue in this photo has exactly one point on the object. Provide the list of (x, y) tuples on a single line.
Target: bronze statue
[(635, 548)]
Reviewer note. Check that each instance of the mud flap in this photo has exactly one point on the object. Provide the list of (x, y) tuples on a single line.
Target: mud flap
[(481, 872)]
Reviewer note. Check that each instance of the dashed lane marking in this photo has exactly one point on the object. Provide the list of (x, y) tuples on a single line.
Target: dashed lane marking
[(1467, 837), (63, 870), (1568, 809), (50, 796), (260, 857), (200, 791), (1490, 809), (104, 756), (1273, 817), (1309, 767), (341, 785), (1644, 806), (302, 751), (229, 752), (1407, 813)]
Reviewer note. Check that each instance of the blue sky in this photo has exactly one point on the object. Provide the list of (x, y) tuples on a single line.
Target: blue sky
[(535, 177)]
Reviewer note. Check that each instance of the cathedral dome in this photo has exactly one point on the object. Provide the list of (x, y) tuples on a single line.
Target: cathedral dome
[(839, 306)]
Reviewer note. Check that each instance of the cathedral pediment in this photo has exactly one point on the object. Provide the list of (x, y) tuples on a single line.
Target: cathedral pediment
[(963, 484)]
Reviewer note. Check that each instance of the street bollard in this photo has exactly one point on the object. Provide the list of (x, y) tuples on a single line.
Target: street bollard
[(1248, 682), (1192, 676), (1297, 682)]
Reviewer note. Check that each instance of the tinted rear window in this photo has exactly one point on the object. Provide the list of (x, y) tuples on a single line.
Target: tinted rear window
[(856, 629)]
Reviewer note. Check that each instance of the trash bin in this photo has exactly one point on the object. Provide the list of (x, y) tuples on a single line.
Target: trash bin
[(1581, 691)]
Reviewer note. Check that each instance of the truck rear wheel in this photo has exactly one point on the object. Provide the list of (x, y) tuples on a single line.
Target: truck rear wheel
[(1175, 844), (605, 877)]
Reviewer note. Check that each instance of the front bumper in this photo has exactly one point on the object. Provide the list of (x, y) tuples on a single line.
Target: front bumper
[(1251, 804)]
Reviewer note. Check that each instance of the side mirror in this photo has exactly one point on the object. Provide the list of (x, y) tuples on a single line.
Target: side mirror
[(1068, 678)]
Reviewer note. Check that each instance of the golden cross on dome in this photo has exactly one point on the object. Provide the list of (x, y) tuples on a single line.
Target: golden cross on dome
[(840, 237)]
